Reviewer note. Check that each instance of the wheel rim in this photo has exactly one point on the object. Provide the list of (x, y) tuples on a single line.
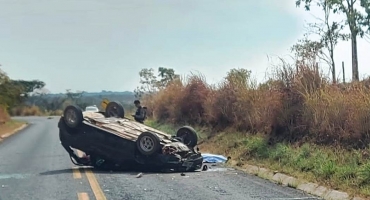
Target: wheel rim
[(184, 137), (112, 111), (71, 116), (146, 143)]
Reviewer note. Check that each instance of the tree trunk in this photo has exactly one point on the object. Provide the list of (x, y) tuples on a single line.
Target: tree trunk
[(332, 62), (355, 75), (333, 73), (344, 73)]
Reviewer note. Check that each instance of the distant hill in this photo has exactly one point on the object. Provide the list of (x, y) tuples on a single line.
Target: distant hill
[(59, 100), (102, 93)]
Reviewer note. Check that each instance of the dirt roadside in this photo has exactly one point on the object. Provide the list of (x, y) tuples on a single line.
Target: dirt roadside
[(10, 128)]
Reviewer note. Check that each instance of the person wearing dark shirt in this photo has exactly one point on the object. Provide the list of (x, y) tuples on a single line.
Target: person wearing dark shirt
[(140, 113)]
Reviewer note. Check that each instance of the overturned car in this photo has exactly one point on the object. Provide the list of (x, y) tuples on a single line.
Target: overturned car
[(109, 140)]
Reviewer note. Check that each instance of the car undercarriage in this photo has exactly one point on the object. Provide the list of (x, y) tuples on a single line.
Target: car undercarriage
[(111, 141)]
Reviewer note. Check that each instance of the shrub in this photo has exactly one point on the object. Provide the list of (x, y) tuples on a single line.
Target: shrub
[(4, 117), (26, 111), (296, 104)]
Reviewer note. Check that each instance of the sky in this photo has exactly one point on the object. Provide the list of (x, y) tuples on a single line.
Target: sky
[(94, 45)]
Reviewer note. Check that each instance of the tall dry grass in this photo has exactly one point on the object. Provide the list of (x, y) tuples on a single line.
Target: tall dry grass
[(297, 104), (26, 111)]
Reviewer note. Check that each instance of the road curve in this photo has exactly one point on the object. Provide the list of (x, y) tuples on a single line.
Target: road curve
[(33, 165)]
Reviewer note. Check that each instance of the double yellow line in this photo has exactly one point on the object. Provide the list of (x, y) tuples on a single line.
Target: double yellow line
[(98, 192)]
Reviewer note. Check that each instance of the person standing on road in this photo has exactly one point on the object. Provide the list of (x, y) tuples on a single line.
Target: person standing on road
[(140, 114)]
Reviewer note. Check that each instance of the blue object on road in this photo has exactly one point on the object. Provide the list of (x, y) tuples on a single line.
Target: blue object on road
[(212, 158)]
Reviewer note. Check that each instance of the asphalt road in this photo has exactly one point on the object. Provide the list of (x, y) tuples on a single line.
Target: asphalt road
[(33, 165)]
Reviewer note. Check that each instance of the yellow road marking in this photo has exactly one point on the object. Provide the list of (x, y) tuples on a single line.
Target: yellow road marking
[(75, 170), (83, 196), (76, 173), (99, 195)]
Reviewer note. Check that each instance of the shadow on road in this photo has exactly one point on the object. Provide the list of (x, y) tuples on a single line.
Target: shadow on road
[(56, 172), (111, 171), (136, 171)]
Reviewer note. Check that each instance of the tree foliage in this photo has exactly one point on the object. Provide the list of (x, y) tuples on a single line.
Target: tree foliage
[(357, 15), (10, 94), (29, 87), (75, 98), (357, 21), (150, 83), (15, 92), (307, 52), (3, 77), (330, 33), (239, 77), (167, 75)]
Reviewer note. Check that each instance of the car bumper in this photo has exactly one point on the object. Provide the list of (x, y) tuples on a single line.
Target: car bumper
[(191, 163)]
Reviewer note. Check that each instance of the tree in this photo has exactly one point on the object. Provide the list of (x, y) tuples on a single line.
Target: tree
[(15, 92), (366, 18), (3, 77), (167, 75), (29, 87), (330, 34), (307, 52), (10, 94), (357, 22), (239, 77), (75, 98), (150, 83)]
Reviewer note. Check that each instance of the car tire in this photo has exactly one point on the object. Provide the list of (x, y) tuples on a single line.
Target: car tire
[(188, 135), (148, 143), (73, 116), (114, 109)]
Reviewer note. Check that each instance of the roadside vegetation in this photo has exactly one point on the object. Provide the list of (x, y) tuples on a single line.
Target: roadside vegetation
[(297, 122), (12, 94), (31, 98), (337, 168), (300, 121)]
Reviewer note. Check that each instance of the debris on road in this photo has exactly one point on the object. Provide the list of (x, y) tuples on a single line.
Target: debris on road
[(213, 158), (139, 175)]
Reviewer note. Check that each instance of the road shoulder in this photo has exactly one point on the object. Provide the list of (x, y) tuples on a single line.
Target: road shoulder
[(296, 183), (10, 128)]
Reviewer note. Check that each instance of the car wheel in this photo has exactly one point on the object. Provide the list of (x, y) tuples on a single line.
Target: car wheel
[(114, 109), (148, 143), (73, 116), (188, 135)]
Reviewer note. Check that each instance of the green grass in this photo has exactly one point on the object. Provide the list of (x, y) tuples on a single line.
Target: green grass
[(171, 129), (347, 170)]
